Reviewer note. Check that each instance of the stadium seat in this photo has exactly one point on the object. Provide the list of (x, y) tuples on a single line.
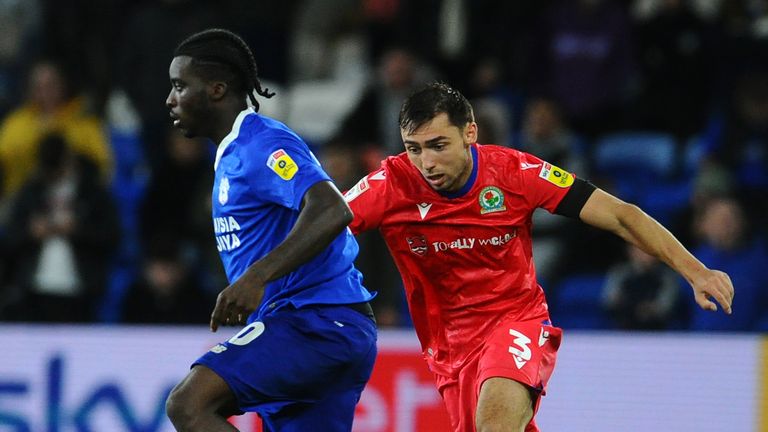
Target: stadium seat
[(578, 302), (635, 154), (665, 199)]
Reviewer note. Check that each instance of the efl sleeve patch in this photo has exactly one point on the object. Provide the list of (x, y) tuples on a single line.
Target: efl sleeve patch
[(282, 164), (556, 176)]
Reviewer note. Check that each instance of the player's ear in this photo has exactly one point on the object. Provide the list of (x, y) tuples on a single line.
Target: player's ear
[(470, 133), (217, 90)]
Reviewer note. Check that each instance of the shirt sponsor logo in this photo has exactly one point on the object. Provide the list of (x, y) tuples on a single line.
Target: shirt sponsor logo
[(224, 191), (491, 200), (557, 176), (469, 242), (418, 245), (282, 164), (226, 229)]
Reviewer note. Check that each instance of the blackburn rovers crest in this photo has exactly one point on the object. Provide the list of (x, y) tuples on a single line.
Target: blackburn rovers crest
[(223, 191), (491, 200)]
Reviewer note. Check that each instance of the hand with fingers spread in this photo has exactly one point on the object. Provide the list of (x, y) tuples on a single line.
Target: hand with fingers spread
[(713, 285), (237, 301)]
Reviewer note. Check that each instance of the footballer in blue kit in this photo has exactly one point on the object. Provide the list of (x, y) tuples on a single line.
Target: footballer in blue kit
[(309, 341)]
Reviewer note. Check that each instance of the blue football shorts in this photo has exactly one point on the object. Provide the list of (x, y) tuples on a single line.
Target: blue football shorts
[(299, 369)]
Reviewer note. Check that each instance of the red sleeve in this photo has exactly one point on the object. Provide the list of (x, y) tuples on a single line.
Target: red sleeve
[(545, 185), (368, 201)]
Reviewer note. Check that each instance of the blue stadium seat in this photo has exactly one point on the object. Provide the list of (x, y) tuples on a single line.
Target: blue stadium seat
[(635, 154), (665, 199), (578, 302)]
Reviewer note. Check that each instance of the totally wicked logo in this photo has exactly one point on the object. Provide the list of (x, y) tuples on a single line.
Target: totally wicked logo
[(491, 200)]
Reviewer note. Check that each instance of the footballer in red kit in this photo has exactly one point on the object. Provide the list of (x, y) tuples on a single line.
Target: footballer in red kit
[(466, 258), (456, 217)]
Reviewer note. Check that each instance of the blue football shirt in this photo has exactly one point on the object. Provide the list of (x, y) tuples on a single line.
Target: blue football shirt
[(263, 169)]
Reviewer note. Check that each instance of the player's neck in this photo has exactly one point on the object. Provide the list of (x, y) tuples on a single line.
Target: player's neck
[(224, 121), (467, 172)]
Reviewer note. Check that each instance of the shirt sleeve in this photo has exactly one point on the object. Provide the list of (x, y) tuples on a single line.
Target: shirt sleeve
[(367, 199), (545, 184), (285, 171)]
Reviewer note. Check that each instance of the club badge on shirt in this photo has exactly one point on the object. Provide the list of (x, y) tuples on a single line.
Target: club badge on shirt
[(491, 200), (282, 164), (223, 190), (557, 176)]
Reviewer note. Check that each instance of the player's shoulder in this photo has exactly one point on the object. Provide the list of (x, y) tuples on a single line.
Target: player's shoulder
[(398, 171), (509, 159), (498, 155), (264, 141)]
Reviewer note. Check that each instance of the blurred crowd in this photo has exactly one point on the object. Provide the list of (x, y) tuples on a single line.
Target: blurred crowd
[(105, 210)]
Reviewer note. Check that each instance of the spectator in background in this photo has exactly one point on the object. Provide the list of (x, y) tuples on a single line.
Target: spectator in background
[(49, 109), (710, 181), (63, 231), (741, 144), (727, 243), (143, 60), (584, 61), (641, 293), (546, 135), (167, 292), (493, 102), (177, 204), (371, 123)]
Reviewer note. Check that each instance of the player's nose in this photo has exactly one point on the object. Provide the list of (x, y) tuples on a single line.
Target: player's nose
[(428, 163), (170, 101)]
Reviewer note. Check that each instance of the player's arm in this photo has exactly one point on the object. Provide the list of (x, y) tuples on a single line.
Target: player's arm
[(629, 222), (324, 214)]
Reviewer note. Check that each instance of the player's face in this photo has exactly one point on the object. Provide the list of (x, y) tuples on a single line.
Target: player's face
[(187, 102), (441, 152)]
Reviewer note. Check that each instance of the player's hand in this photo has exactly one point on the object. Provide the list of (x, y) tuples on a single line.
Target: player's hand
[(713, 285), (236, 302)]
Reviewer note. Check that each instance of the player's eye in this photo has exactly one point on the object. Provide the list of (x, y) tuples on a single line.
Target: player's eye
[(413, 150)]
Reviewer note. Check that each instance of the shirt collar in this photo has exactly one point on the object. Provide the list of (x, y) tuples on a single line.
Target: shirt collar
[(470, 181), (232, 135)]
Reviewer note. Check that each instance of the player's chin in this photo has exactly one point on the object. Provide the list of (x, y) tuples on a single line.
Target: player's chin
[(188, 133)]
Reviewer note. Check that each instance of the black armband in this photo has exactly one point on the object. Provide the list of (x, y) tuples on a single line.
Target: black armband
[(574, 200)]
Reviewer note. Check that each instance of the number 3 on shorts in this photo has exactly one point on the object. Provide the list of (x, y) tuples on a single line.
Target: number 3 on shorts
[(521, 353), (248, 333)]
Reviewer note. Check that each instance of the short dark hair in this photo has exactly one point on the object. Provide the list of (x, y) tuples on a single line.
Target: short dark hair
[(430, 101), (221, 54)]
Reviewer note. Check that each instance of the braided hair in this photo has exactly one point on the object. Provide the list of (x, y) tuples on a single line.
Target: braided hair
[(221, 54)]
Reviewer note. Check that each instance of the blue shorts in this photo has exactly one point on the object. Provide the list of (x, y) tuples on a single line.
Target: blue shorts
[(299, 369)]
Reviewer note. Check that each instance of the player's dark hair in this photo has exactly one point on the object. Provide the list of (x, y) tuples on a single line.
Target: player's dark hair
[(219, 54), (430, 101)]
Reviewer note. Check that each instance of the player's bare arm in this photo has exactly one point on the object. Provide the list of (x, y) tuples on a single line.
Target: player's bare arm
[(629, 222), (324, 214)]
